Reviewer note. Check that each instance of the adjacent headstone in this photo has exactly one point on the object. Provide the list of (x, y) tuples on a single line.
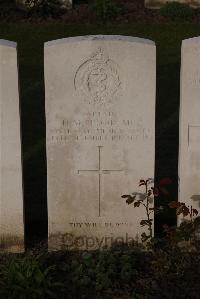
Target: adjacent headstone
[(189, 135), (100, 114), (11, 198), (159, 3)]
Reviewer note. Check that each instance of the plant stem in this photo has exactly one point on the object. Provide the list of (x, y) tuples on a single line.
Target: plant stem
[(148, 213)]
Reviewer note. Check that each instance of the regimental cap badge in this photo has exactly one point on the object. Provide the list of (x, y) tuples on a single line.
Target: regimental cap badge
[(97, 79)]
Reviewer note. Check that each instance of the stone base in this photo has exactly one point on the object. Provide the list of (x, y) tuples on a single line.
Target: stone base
[(156, 4), (11, 244)]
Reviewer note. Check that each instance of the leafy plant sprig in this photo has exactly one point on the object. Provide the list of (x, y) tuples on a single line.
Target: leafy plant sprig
[(146, 199), (181, 208), (187, 229)]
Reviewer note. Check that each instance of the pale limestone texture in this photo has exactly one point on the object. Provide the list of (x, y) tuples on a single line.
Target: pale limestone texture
[(100, 121), (11, 197), (159, 3), (189, 135)]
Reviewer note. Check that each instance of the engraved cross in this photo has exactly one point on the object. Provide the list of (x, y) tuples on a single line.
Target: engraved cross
[(100, 172)]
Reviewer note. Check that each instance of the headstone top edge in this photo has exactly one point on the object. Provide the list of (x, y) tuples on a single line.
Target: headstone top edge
[(189, 41), (8, 43), (100, 37)]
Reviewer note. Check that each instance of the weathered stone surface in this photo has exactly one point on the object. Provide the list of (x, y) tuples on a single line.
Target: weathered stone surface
[(100, 114), (189, 143), (159, 3), (11, 198)]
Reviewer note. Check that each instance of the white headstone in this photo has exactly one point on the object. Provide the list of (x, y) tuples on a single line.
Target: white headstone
[(159, 3), (11, 198), (100, 113), (189, 135)]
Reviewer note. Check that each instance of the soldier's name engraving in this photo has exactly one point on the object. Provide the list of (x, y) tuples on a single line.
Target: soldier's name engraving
[(97, 126)]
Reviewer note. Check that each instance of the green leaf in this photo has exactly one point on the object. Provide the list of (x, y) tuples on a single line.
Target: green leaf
[(39, 277)]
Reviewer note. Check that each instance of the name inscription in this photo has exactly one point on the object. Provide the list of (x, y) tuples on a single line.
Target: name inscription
[(99, 126)]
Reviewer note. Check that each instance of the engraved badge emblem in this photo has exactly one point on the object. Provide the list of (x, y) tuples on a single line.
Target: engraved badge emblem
[(97, 79)]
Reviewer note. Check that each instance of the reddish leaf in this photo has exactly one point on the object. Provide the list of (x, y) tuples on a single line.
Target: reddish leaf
[(165, 227), (185, 210), (173, 204), (182, 209), (163, 190), (155, 191), (165, 181)]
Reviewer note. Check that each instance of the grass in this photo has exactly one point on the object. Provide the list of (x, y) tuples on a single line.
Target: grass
[(30, 39)]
